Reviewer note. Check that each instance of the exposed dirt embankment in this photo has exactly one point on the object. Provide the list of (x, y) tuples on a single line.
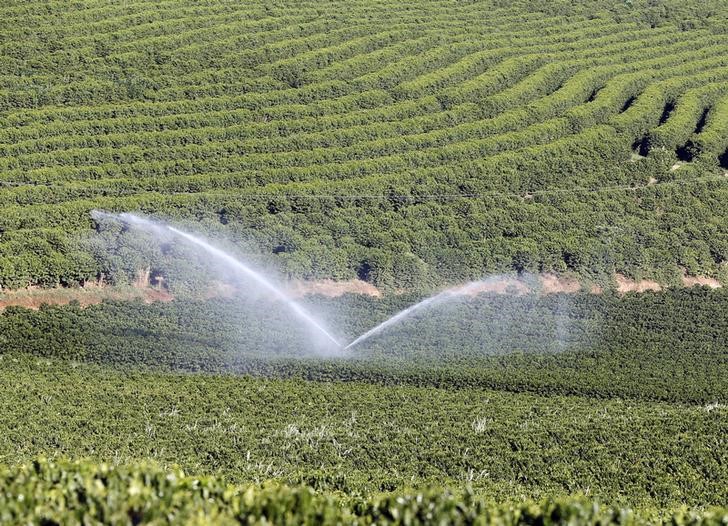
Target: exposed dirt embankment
[(693, 281), (333, 289), (551, 284), (547, 283), (500, 285), (625, 284), (94, 293), (33, 298)]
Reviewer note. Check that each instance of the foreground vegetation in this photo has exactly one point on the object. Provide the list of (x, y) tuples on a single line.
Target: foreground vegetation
[(618, 399), (88, 493), (361, 439)]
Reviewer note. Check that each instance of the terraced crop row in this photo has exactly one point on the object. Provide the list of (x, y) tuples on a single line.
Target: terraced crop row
[(439, 136), (194, 109), (207, 139)]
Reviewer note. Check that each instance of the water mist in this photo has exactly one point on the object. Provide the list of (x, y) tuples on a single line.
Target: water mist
[(438, 298), (522, 285), (229, 261), (328, 345)]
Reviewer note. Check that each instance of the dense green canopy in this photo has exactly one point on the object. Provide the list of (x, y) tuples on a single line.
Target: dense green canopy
[(405, 143)]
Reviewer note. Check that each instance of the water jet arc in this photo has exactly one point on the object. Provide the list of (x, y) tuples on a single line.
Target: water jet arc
[(230, 261), (445, 294)]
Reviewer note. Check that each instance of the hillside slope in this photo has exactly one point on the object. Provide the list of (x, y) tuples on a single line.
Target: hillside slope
[(402, 143)]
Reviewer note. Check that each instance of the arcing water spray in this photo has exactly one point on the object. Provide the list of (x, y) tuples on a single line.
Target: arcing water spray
[(230, 261)]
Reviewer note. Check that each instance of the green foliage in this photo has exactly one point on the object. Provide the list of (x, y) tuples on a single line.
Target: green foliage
[(411, 145), (654, 346), (83, 492), (361, 439), (360, 135)]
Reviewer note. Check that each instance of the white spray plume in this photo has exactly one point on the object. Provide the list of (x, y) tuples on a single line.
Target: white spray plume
[(427, 302), (259, 278), (472, 288), (230, 261)]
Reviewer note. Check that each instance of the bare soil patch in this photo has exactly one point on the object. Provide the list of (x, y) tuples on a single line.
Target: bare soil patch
[(504, 285), (549, 283), (696, 281), (552, 284), (625, 284), (92, 294), (333, 289)]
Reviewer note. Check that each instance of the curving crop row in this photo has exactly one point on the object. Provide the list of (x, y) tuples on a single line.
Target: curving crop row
[(712, 140), (139, 12), (475, 64), (219, 53), (212, 104), (606, 103), (294, 70), (223, 56), (422, 141), (613, 43), (156, 109), (682, 123), (241, 128), (65, 99)]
